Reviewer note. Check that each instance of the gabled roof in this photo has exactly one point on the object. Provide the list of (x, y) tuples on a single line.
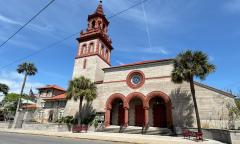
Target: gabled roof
[(52, 87), (140, 63), (56, 98), (214, 89)]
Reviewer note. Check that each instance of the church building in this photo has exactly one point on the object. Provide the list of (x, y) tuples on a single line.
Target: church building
[(141, 93)]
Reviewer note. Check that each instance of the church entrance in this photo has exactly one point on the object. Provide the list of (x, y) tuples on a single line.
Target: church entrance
[(117, 112), (120, 115), (136, 112), (139, 115), (159, 113)]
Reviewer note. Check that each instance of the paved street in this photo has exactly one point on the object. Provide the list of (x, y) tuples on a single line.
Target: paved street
[(12, 138)]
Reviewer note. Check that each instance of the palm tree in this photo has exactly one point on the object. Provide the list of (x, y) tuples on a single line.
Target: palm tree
[(4, 88), (28, 69), (81, 88), (188, 65)]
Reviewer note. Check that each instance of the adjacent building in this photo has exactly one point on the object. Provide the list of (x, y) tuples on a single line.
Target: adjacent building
[(51, 101)]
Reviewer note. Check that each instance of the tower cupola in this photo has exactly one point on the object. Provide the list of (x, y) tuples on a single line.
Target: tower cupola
[(94, 47)]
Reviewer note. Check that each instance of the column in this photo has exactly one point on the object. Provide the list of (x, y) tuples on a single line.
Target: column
[(126, 116), (107, 117), (146, 116)]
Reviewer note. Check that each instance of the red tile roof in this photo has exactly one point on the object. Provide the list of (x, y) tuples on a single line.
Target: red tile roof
[(141, 63), (56, 98), (52, 87), (30, 106)]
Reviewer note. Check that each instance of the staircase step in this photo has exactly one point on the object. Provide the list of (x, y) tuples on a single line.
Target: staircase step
[(138, 130)]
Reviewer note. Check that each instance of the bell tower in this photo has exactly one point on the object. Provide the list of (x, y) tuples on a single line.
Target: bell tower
[(94, 47)]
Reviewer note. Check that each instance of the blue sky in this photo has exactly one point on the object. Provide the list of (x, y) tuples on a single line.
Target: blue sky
[(156, 30)]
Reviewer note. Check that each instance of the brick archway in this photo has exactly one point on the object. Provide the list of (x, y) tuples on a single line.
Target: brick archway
[(138, 95), (167, 102), (109, 107), (116, 96), (139, 110)]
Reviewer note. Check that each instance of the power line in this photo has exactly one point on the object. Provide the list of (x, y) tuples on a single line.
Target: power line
[(26, 23), (137, 4), (67, 37), (40, 50)]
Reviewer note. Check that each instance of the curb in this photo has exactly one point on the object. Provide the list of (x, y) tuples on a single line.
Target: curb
[(68, 137), (105, 137)]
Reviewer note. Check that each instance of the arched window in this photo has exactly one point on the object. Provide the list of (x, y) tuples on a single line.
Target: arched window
[(93, 24), (104, 26), (84, 49), (99, 24), (102, 50), (107, 54), (91, 47)]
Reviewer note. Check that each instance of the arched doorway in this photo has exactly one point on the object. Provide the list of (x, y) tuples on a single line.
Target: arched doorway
[(116, 110), (136, 103), (160, 109), (158, 113)]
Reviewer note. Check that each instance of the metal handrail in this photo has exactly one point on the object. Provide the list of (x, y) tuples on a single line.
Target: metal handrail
[(143, 127), (121, 127)]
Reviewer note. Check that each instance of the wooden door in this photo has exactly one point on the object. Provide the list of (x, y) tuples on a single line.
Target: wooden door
[(159, 116), (139, 115), (120, 115)]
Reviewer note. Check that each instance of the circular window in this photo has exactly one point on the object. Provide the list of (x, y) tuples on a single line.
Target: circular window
[(135, 79)]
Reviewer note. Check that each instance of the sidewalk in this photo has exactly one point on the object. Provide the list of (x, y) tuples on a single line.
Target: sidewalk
[(115, 137)]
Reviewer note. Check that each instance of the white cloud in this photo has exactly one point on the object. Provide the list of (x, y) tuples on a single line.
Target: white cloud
[(14, 81), (35, 27), (233, 6), (153, 50), (8, 20), (119, 62)]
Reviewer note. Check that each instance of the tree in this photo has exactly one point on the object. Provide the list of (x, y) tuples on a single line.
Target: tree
[(80, 89), (28, 69), (13, 97), (4, 88), (187, 66)]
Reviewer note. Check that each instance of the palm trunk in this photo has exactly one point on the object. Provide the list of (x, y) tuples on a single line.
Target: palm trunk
[(195, 104), (23, 85), (80, 109)]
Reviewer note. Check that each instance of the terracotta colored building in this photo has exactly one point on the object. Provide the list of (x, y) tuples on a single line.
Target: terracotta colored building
[(51, 102), (141, 93)]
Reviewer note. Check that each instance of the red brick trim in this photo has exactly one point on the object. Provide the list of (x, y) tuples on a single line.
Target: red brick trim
[(93, 54), (114, 81), (108, 107), (129, 77), (115, 96), (138, 95), (150, 78), (140, 63), (162, 77)]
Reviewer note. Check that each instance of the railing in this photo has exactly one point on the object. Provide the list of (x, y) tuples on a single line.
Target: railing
[(122, 127), (145, 127)]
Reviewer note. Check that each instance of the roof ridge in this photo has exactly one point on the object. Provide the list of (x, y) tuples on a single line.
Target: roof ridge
[(141, 63), (214, 89)]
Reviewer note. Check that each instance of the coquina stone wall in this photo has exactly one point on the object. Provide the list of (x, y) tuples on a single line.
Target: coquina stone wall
[(212, 103)]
